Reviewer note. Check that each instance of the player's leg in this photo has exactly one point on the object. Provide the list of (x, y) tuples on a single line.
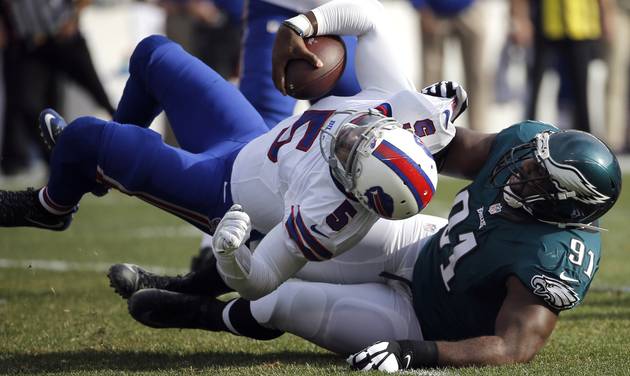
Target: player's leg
[(134, 160), (137, 105), (473, 37), (579, 55), (205, 111), (433, 53), (340, 318), (261, 22)]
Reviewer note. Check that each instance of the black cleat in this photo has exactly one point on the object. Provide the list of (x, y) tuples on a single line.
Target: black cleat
[(166, 309), (197, 262), (126, 279), (51, 124), (22, 208)]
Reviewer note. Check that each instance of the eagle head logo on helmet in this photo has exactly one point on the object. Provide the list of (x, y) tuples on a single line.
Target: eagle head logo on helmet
[(384, 166)]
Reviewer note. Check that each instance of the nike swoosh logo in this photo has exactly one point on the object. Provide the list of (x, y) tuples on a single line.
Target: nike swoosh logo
[(407, 359), (314, 229), (565, 277), (447, 115), (47, 119), (46, 225)]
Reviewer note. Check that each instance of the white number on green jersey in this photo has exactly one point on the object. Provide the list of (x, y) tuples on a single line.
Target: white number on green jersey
[(466, 242), (577, 256)]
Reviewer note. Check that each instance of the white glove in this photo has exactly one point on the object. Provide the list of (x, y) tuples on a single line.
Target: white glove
[(381, 356), (449, 89), (232, 232)]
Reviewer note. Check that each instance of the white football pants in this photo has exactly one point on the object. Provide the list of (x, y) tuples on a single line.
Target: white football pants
[(343, 304)]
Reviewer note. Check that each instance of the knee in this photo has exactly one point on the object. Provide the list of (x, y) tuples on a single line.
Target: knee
[(79, 133), (144, 50), (293, 299)]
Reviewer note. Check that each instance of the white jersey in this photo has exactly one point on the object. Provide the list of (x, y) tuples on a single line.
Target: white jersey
[(285, 185), (281, 176)]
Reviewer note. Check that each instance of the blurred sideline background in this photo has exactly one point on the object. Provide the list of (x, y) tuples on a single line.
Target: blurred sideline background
[(113, 27)]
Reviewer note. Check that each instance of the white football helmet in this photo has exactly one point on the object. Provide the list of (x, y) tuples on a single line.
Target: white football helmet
[(385, 167)]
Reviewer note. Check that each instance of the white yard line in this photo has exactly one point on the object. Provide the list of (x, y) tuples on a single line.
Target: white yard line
[(68, 266), (152, 232), (102, 267)]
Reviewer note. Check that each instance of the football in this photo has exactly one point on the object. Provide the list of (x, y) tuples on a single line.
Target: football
[(304, 81)]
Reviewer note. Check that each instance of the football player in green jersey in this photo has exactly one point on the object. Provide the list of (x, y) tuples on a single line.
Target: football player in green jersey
[(521, 244)]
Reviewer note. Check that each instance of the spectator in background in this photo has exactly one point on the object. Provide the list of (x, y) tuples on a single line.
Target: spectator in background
[(464, 20), (567, 34), (209, 30), (43, 41), (618, 85)]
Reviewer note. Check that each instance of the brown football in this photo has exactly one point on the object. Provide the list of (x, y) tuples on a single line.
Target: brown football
[(304, 81)]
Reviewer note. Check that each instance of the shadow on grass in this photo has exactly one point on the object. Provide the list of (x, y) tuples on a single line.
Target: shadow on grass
[(92, 360)]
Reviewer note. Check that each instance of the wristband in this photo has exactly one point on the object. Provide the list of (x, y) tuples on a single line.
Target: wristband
[(424, 354), (301, 25)]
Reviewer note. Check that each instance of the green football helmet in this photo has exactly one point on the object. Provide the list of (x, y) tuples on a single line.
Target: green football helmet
[(566, 177)]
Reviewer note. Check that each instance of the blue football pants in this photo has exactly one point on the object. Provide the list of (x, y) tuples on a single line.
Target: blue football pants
[(211, 121)]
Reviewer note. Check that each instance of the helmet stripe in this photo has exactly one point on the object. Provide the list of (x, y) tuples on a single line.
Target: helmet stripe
[(414, 177), (384, 108)]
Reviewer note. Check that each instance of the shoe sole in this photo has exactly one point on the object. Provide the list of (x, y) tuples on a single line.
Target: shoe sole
[(61, 226)]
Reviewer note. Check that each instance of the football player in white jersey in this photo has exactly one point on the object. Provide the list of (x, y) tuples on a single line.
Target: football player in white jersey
[(321, 224), (314, 185), (261, 20)]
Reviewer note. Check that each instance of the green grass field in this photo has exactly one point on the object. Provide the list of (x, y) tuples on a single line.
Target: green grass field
[(68, 320)]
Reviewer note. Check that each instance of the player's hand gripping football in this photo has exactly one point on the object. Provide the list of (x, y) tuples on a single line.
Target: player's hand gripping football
[(449, 89), (289, 46), (381, 356), (232, 232)]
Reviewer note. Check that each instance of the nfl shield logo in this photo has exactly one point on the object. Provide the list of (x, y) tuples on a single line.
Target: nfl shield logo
[(494, 209)]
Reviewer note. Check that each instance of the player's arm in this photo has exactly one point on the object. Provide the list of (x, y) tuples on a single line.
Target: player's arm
[(464, 156), (376, 65), (466, 151), (252, 275), (523, 325)]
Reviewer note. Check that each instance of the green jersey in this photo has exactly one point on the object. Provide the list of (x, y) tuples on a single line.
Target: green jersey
[(460, 275)]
